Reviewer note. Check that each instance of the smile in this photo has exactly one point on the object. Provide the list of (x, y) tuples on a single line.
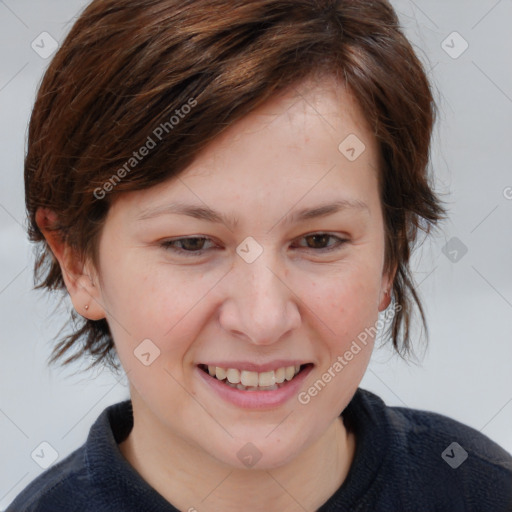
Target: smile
[(246, 380), (276, 384)]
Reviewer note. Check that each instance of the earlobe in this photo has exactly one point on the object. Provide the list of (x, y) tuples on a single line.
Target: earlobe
[(85, 296), (385, 300), (386, 290), (84, 293)]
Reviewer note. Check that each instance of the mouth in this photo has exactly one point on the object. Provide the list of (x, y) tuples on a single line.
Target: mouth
[(246, 380)]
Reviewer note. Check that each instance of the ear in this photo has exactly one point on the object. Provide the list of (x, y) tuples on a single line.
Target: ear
[(80, 279), (386, 287)]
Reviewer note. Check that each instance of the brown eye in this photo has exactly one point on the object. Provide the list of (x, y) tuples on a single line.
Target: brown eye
[(322, 242), (193, 245), (318, 241)]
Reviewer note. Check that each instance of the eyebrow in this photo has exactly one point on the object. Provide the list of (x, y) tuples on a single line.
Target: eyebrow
[(210, 215)]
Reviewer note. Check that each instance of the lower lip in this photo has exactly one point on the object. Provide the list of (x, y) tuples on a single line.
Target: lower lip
[(256, 399)]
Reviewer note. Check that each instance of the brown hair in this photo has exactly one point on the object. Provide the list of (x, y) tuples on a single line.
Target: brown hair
[(129, 67)]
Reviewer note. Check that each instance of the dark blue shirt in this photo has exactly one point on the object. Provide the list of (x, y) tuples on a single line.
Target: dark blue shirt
[(406, 460)]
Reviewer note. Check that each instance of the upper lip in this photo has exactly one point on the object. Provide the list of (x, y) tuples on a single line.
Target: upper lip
[(254, 367)]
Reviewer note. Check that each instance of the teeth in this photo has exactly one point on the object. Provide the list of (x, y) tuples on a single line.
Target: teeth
[(220, 373), (252, 388), (249, 378), (289, 372), (279, 375), (253, 381), (233, 375), (267, 378)]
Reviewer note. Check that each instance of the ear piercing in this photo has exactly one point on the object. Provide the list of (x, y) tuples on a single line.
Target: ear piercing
[(86, 307)]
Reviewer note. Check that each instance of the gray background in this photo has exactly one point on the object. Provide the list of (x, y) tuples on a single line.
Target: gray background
[(466, 371)]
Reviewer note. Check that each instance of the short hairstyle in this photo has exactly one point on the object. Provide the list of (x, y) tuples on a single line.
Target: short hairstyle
[(127, 68)]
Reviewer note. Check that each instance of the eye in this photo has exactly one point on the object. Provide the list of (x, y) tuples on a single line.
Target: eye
[(320, 242), (198, 245), (194, 246)]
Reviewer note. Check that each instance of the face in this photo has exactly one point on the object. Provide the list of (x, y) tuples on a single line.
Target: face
[(266, 253)]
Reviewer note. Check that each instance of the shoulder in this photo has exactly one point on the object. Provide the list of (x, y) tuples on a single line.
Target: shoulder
[(447, 440), (62, 485), (83, 479), (453, 461)]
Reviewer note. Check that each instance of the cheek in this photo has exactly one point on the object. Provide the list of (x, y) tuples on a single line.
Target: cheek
[(147, 295), (350, 292), (346, 303), (160, 302)]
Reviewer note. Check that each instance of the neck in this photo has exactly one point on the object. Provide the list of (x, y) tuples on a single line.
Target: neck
[(189, 478)]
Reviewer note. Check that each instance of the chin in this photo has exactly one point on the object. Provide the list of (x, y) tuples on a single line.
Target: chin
[(259, 451)]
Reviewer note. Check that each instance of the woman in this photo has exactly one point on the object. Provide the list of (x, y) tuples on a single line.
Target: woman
[(230, 192)]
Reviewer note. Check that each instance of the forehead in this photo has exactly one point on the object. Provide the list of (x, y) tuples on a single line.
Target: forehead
[(312, 109), (310, 140), (315, 124)]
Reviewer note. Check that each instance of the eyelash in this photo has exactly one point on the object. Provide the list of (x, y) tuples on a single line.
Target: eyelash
[(168, 244)]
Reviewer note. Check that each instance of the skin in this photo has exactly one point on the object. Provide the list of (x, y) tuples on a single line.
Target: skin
[(294, 302)]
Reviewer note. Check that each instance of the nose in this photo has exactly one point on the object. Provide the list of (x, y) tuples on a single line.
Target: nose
[(261, 306)]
